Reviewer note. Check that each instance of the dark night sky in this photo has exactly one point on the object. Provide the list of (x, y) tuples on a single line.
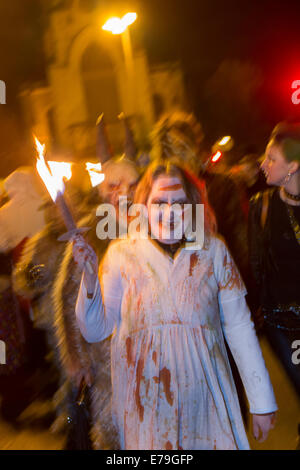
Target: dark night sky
[(209, 30), (200, 33), (203, 33)]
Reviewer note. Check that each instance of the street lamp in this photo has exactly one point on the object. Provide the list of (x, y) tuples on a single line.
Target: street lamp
[(117, 25)]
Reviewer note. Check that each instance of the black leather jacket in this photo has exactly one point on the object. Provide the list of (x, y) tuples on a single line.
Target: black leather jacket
[(261, 257)]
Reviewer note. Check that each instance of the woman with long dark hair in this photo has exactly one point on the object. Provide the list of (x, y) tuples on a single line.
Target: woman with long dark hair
[(274, 241)]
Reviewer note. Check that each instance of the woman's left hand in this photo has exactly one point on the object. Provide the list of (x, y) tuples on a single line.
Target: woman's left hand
[(262, 424)]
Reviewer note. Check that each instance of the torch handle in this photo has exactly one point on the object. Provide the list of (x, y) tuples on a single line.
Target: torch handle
[(89, 267), (65, 212), (69, 221)]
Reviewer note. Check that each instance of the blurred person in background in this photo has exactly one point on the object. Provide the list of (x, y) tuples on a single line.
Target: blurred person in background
[(33, 278), (14, 396), (249, 178), (250, 171), (20, 218)]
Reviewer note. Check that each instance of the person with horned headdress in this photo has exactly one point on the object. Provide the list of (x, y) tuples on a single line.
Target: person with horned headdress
[(120, 181)]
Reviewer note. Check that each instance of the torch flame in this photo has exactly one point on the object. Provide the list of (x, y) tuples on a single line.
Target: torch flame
[(40, 148), (53, 174), (61, 168), (94, 171)]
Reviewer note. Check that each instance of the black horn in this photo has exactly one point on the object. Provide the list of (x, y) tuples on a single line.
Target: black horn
[(104, 151), (130, 148)]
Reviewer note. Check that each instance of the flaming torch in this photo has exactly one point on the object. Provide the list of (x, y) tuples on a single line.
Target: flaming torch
[(53, 175), (94, 171)]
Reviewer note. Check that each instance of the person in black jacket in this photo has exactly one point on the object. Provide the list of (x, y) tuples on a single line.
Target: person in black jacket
[(274, 246)]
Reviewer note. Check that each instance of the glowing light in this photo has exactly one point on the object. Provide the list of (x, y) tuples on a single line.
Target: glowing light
[(216, 156), (94, 171), (129, 18), (224, 144), (40, 147), (61, 168), (224, 140), (53, 174), (118, 25)]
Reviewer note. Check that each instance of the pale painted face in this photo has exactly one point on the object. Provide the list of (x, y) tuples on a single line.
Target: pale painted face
[(120, 180), (275, 166), (167, 222)]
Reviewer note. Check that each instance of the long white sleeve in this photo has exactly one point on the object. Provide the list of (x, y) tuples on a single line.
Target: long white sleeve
[(97, 317), (240, 335)]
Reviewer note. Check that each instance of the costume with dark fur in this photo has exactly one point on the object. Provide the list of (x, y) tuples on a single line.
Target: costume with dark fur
[(73, 347), (33, 279), (34, 275)]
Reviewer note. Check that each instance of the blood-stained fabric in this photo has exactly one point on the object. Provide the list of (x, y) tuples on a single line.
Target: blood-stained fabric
[(171, 378)]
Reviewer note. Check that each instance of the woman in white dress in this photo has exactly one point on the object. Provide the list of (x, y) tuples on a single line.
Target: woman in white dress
[(168, 304)]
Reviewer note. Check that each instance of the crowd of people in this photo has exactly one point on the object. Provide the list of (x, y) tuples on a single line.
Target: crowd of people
[(150, 338)]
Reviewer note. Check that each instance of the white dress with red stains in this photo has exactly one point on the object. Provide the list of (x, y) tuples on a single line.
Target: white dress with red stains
[(172, 383)]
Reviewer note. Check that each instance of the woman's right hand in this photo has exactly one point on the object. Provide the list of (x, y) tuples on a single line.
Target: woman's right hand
[(87, 260)]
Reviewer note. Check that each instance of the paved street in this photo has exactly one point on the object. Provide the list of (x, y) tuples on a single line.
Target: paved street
[(283, 437), (10, 439)]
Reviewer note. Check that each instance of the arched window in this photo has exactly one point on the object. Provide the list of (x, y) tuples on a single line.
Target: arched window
[(100, 85)]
